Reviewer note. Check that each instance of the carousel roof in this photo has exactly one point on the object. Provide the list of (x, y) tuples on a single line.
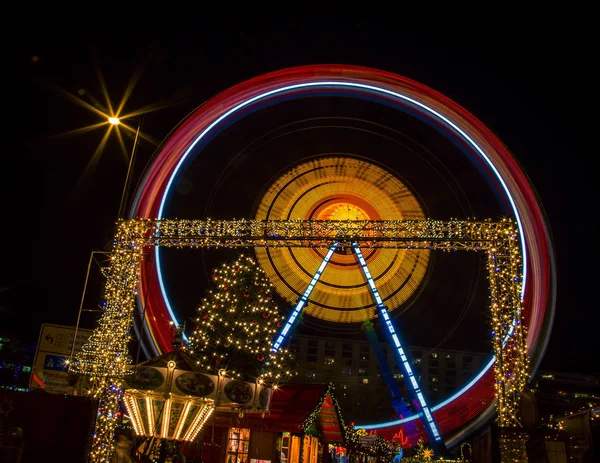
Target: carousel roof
[(181, 359)]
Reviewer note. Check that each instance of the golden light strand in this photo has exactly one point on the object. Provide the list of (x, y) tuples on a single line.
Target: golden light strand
[(104, 356)]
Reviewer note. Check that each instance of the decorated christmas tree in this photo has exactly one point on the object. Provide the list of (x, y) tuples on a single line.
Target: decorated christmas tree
[(236, 325)]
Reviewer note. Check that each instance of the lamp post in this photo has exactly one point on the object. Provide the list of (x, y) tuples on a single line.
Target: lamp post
[(116, 121)]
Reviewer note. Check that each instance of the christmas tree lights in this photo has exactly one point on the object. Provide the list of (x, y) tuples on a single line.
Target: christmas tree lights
[(236, 324)]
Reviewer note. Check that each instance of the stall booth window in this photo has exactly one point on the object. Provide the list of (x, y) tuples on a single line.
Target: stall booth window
[(294, 452), (311, 449), (238, 445)]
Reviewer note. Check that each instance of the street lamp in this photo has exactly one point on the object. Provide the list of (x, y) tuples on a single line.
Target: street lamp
[(115, 121)]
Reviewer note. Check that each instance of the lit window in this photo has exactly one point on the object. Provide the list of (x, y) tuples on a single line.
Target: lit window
[(237, 446), (365, 380)]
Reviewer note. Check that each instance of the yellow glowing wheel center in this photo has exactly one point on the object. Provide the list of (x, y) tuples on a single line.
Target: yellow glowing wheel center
[(342, 189), (344, 211)]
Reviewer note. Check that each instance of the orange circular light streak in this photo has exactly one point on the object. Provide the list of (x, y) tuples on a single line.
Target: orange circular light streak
[(342, 188)]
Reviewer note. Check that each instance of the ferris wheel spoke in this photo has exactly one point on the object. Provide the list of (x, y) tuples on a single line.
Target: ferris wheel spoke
[(400, 355), (303, 300)]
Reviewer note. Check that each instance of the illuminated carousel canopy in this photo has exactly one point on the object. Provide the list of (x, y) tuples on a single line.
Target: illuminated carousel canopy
[(167, 397)]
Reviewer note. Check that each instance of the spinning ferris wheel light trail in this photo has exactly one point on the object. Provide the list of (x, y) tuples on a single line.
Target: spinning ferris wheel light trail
[(520, 264)]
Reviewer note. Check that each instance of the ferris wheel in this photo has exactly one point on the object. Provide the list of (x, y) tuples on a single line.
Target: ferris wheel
[(345, 239)]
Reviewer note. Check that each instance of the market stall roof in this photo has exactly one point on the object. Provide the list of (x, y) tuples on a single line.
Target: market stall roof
[(295, 408)]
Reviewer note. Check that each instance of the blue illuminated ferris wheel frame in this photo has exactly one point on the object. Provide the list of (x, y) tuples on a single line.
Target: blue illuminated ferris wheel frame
[(399, 353)]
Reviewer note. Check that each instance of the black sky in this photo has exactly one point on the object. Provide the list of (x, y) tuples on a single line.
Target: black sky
[(524, 77)]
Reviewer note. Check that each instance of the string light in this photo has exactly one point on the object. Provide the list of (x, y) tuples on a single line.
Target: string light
[(236, 324), (309, 425), (105, 356)]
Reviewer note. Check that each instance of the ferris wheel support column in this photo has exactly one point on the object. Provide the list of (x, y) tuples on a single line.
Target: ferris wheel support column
[(511, 367), (435, 438), (398, 400), (303, 300)]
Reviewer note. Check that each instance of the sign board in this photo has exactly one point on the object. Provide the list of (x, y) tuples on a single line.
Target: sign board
[(51, 362)]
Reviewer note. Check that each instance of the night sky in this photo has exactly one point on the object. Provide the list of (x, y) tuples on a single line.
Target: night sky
[(522, 77)]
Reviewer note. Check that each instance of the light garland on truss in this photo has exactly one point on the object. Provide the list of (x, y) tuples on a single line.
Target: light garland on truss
[(511, 367), (104, 357), (448, 235)]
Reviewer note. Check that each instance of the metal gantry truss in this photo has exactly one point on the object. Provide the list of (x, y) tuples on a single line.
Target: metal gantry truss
[(104, 355), (409, 234)]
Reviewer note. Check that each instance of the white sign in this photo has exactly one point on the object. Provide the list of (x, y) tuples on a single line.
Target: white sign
[(50, 366)]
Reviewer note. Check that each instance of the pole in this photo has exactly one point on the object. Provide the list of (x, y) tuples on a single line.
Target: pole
[(128, 177), (87, 276)]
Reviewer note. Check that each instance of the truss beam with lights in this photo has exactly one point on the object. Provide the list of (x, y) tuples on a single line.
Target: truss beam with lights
[(414, 234), (103, 357)]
